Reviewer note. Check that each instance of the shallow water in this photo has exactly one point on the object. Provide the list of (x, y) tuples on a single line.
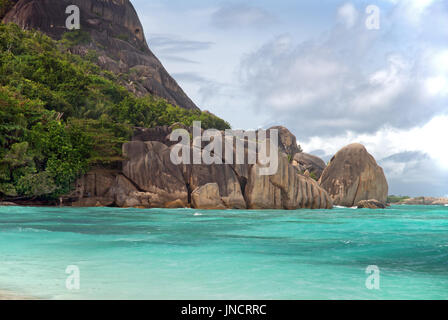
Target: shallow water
[(192, 254)]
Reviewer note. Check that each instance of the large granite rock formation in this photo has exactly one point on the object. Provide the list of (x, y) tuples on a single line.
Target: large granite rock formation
[(287, 189), (308, 162), (149, 167), (353, 175), (207, 197), (149, 179), (102, 187), (225, 178), (116, 35)]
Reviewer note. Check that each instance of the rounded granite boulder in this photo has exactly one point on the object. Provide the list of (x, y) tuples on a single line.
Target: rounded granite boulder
[(353, 175)]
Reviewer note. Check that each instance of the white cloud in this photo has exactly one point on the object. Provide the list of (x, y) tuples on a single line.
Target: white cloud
[(348, 15), (344, 81), (440, 61), (413, 10), (172, 44), (437, 82), (231, 16), (437, 85), (429, 139), (385, 85)]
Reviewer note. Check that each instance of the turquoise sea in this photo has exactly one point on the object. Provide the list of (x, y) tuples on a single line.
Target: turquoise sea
[(191, 254)]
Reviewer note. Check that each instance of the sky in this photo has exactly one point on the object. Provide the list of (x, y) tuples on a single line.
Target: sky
[(333, 72)]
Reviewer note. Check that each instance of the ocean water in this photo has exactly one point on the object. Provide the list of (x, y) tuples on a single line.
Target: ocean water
[(191, 254)]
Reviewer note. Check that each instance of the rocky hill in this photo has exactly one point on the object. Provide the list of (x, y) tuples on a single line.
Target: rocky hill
[(111, 29)]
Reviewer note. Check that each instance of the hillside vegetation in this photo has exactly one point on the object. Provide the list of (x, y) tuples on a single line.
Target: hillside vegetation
[(60, 114)]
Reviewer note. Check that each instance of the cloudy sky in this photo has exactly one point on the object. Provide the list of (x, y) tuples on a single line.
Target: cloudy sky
[(318, 69)]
